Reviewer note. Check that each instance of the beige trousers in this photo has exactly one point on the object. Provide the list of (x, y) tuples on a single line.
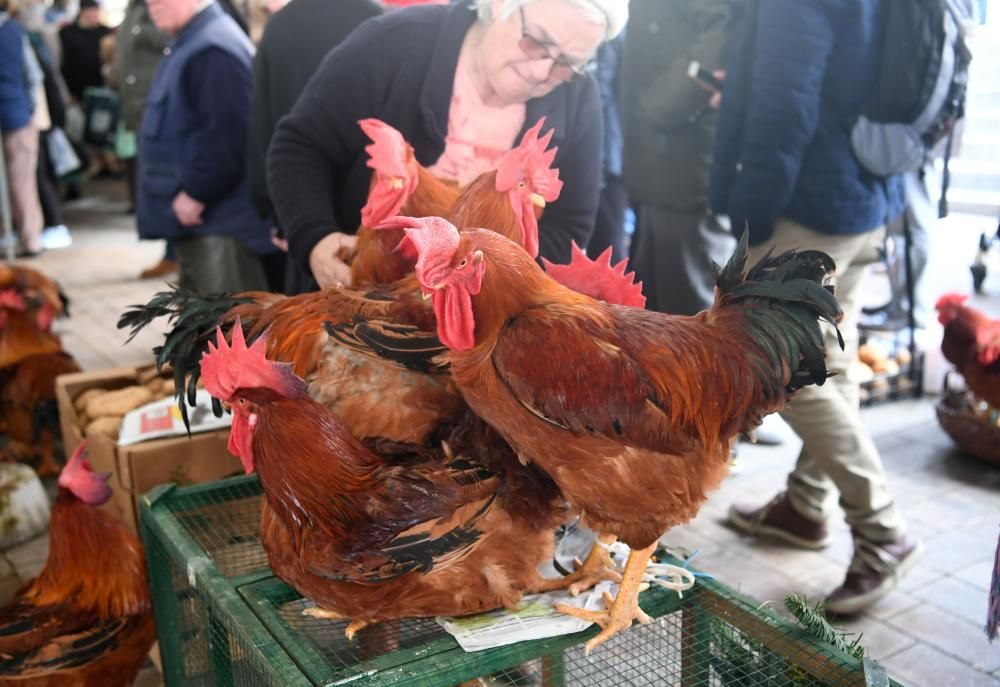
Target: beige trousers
[(838, 454), (20, 149)]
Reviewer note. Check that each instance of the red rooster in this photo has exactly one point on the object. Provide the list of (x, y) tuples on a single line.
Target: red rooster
[(510, 200), (86, 620), (972, 344), (420, 534), (630, 412), (399, 184)]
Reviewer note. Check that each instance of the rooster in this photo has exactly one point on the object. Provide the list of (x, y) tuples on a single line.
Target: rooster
[(399, 184), (31, 357), (510, 199), (86, 620), (370, 538), (630, 412), (971, 343)]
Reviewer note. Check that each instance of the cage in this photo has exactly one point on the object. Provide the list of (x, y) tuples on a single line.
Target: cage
[(224, 619)]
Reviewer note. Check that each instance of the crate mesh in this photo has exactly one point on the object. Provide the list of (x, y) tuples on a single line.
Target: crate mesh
[(230, 622)]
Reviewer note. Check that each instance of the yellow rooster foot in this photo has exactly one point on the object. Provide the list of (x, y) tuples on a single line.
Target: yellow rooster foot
[(352, 629), (618, 616), (598, 567)]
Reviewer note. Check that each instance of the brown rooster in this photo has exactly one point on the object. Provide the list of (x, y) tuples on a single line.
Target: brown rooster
[(86, 620), (31, 357), (971, 343), (399, 184), (510, 200), (423, 533), (630, 412)]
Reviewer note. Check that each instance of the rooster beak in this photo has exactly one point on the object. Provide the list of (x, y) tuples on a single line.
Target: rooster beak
[(537, 200), (426, 295)]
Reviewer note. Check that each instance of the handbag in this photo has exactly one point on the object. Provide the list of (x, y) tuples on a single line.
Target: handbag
[(61, 154)]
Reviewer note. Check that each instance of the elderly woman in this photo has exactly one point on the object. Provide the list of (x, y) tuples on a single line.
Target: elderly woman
[(462, 82)]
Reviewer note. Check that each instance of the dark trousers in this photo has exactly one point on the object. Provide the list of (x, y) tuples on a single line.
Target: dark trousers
[(609, 229), (48, 195), (673, 252)]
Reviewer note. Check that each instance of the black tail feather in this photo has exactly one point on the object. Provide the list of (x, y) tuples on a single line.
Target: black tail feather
[(784, 297), (194, 319)]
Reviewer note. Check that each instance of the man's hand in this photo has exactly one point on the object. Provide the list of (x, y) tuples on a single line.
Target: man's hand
[(187, 210), (327, 268)]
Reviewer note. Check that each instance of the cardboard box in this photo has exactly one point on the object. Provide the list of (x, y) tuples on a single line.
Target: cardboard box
[(138, 468)]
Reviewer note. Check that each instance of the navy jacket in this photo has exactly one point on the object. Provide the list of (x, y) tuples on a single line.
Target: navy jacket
[(193, 135), (15, 101), (797, 79), (400, 68)]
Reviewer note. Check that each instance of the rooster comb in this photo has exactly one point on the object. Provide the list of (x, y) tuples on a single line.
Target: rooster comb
[(532, 162), (388, 151), (226, 368), (952, 299), (79, 477), (598, 278)]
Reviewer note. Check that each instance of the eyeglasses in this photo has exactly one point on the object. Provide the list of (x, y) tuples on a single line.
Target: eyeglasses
[(534, 49)]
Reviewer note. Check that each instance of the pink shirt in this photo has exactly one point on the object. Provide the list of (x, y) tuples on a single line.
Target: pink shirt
[(477, 134)]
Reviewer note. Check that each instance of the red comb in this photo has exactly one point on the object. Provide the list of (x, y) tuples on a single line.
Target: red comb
[(433, 239), (226, 368), (598, 278), (9, 298), (531, 161), (79, 477), (388, 151), (952, 298)]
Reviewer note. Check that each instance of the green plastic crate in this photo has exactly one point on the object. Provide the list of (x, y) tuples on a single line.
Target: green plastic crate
[(224, 619)]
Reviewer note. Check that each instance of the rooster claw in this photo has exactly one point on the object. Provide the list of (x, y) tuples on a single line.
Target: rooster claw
[(616, 618), (354, 628)]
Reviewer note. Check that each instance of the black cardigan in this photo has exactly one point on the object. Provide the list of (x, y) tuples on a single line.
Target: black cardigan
[(400, 68)]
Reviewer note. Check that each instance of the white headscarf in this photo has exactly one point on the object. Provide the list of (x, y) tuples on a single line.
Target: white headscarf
[(615, 10)]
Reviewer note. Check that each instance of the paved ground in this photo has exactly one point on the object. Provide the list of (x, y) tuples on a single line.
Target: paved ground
[(928, 633)]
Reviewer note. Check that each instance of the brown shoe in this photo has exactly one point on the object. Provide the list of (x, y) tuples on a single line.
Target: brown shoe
[(874, 572), (778, 518), (160, 269)]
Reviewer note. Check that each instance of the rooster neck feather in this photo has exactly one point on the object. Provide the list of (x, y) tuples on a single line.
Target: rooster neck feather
[(94, 565)]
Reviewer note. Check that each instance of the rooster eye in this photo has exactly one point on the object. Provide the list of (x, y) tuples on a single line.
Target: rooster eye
[(521, 184), (464, 262)]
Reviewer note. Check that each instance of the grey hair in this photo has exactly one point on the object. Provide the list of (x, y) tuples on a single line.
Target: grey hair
[(483, 8)]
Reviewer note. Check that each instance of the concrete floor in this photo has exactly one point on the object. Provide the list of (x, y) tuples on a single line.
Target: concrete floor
[(927, 633)]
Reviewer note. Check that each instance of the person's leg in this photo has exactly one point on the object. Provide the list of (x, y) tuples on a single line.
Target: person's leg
[(673, 253), (218, 264), (21, 152)]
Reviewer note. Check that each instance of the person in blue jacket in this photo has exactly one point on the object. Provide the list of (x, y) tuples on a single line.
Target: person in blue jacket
[(783, 170), (192, 153)]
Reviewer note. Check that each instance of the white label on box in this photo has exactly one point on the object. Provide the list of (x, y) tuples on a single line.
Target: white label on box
[(163, 419)]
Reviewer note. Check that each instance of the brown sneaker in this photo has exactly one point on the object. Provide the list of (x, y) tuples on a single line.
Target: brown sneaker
[(160, 269), (874, 572), (778, 518)]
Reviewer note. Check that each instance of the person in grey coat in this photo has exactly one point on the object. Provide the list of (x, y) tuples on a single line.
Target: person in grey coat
[(669, 125)]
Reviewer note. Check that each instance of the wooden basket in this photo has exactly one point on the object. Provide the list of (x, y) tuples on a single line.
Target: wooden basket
[(974, 434)]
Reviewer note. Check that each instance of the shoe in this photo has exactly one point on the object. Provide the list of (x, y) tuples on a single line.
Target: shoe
[(874, 572), (56, 237), (160, 269), (779, 519)]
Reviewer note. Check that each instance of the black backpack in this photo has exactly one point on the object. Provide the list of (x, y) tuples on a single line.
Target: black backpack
[(919, 90)]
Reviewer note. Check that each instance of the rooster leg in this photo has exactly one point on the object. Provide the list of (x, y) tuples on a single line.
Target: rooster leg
[(322, 613), (354, 628), (596, 568), (624, 608)]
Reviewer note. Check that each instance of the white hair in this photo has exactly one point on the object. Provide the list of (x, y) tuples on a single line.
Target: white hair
[(593, 12)]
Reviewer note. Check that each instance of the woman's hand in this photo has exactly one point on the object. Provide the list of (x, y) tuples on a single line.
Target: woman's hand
[(326, 267), (187, 210)]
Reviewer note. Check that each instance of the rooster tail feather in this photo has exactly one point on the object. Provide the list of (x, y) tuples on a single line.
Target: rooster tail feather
[(782, 299), (194, 320)]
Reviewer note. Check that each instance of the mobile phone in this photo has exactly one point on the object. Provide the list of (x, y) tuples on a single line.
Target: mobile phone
[(696, 71)]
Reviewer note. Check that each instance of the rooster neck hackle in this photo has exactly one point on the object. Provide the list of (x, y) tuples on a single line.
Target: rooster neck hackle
[(95, 564)]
